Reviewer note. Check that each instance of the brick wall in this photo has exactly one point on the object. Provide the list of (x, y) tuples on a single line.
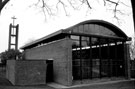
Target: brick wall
[(26, 72), (61, 53)]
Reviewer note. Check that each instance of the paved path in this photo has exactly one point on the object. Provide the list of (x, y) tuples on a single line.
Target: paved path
[(121, 84), (5, 84), (117, 85)]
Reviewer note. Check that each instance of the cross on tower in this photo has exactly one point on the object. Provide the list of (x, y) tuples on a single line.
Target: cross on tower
[(14, 19), (13, 23)]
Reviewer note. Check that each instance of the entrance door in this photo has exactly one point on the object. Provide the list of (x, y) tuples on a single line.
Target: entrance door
[(49, 72)]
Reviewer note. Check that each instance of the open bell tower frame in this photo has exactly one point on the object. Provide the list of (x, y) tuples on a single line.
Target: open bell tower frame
[(13, 35)]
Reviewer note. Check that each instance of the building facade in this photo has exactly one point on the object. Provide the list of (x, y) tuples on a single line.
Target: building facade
[(93, 49)]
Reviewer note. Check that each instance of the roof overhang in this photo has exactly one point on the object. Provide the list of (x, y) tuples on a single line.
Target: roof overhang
[(65, 31)]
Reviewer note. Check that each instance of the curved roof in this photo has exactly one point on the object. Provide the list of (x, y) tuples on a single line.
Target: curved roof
[(106, 24), (96, 27)]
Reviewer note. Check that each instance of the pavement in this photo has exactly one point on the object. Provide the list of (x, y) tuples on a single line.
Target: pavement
[(121, 84), (118, 84)]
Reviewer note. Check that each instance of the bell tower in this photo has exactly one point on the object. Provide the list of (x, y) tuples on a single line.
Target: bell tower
[(13, 35)]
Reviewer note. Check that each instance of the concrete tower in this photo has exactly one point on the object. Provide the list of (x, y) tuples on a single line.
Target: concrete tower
[(13, 35)]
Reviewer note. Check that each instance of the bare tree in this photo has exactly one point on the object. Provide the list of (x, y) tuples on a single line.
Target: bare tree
[(48, 6), (133, 8), (3, 3)]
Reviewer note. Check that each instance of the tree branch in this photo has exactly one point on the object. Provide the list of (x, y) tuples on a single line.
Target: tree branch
[(72, 4), (115, 7), (87, 2), (104, 2), (112, 2), (76, 4), (3, 3), (64, 6)]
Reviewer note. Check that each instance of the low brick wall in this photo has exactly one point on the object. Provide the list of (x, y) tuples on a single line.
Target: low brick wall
[(32, 72)]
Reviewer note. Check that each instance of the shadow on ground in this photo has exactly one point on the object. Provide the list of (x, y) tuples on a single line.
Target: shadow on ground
[(5, 82)]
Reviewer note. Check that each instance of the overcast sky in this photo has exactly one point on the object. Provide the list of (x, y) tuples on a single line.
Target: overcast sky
[(32, 23)]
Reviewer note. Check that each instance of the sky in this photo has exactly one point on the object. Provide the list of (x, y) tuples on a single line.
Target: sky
[(33, 25)]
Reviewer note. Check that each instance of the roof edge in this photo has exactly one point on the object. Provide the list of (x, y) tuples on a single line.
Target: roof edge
[(93, 21)]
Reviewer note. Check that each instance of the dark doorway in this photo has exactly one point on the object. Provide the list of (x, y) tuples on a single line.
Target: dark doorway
[(49, 71)]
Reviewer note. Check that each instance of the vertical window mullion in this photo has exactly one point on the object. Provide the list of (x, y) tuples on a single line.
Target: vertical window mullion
[(123, 58), (100, 59), (116, 59), (80, 42), (109, 59), (90, 44)]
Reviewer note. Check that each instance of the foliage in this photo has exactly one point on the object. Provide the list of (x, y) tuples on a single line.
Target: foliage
[(10, 55), (132, 49)]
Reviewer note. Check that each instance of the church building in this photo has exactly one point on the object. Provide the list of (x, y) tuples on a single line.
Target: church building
[(93, 49)]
